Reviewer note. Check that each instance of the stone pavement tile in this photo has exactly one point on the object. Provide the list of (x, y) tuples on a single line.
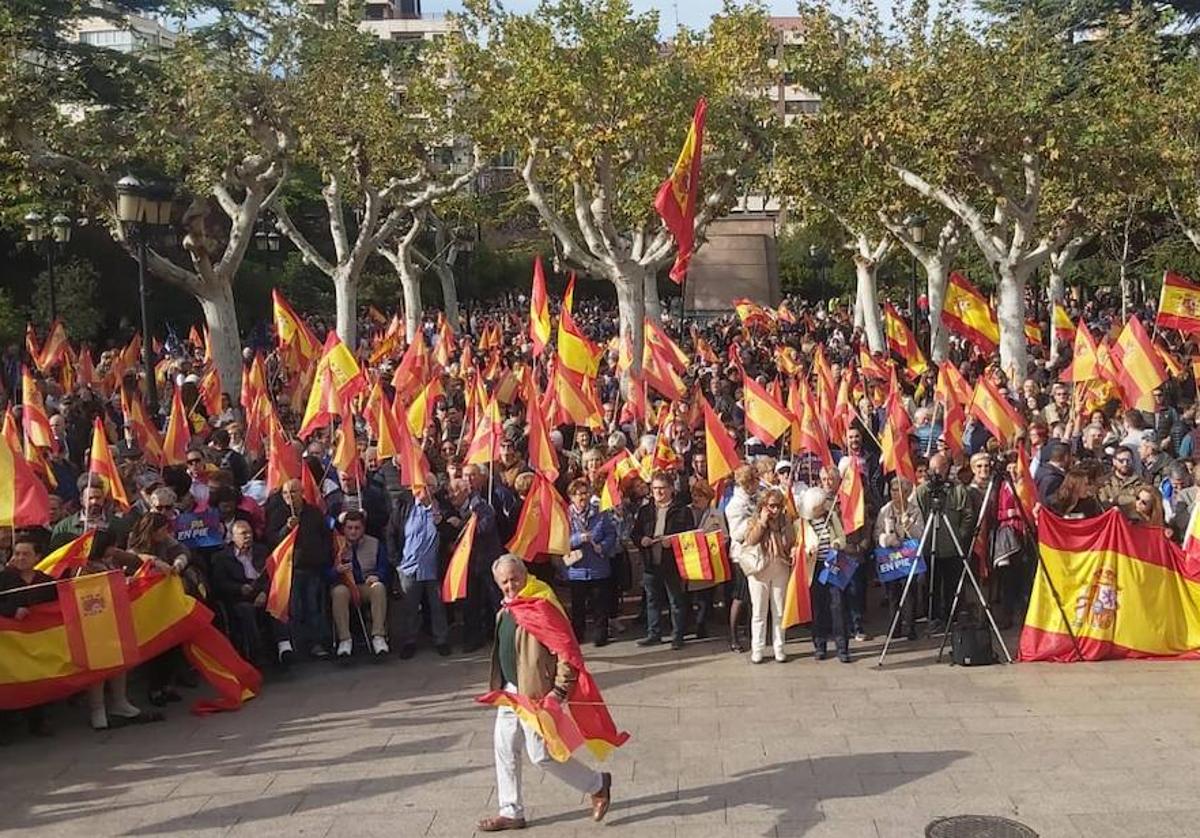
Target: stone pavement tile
[(842, 828), (309, 826), (1131, 825)]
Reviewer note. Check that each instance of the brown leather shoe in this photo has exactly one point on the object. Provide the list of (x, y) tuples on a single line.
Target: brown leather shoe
[(602, 798), (500, 823)]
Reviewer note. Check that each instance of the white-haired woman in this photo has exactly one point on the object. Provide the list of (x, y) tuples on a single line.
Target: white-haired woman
[(900, 520), (738, 512), (822, 533), (767, 538)]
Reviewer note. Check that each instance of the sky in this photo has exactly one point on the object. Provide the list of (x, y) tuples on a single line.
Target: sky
[(691, 13)]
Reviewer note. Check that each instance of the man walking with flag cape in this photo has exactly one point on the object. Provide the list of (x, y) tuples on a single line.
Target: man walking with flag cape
[(546, 699)]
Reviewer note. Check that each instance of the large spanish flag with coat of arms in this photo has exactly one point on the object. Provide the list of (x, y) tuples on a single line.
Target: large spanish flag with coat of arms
[(1127, 590), (103, 625)]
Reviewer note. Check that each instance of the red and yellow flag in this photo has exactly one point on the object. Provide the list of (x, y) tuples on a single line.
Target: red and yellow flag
[(1127, 590), (454, 585), (24, 501), (545, 524), (569, 295), (576, 399), (701, 556), (902, 341), (1139, 368), (995, 412), (766, 418), (34, 418), (539, 309), (797, 602), (969, 314), (1064, 329), (210, 391), (55, 349), (101, 465), (1084, 364), (676, 199), (575, 351), (1033, 332), (11, 431), (71, 556), (98, 621), (179, 433), (719, 448), (894, 443), (1026, 490), (658, 338), (543, 458), (1178, 304), (410, 459), (485, 444), (615, 471), (279, 568), (283, 461), (144, 432), (852, 500), (296, 341), (658, 371), (338, 378)]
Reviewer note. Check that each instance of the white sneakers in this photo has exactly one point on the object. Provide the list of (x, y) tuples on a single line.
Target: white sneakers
[(379, 645), (344, 648), (780, 656)]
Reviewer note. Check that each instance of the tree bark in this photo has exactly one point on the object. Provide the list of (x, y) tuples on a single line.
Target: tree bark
[(653, 305), (445, 275), (631, 314), (410, 287), (220, 315), (936, 274), (1010, 312), (1056, 286), (867, 299), (345, 293)]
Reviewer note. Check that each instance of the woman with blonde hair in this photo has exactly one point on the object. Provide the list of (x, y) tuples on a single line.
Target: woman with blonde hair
[(767, 538), (737, 513)]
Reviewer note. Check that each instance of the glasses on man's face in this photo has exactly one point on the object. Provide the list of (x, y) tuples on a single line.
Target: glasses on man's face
[(194, 462)]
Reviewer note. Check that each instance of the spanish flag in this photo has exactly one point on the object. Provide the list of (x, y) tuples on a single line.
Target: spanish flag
[(575, 351), (100, 622), (543, 458), (283, 461), (210, 391), (339, 379), (1179, 304), (576, 399), (279, 568), (11, 431), (719, 448), (622, 465), (852, 500), (144, 432), (454, 585), (102, 465), (585, 721), (1128, 592), (71, 556), (676, 199), (420, 412), (994, 411), (1033, 332), (24, 501), (902, 341), (544, 525), (657, 337), (539, 309), (808, 433), (1026, 489), (894, 443), (1139, 369), (969, 314), (55, 349), (701, 556), (1064, 329), (1084, 362), (33, 412), (797, 601), (766, 418), (179, 434), (659, 372), (296, 341), (414, 467)]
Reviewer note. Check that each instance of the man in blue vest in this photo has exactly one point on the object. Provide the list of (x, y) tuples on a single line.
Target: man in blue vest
[(363, 562)]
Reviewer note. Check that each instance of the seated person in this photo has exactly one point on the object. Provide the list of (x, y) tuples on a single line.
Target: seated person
[(363, 560), (18, 593), (240, 582)]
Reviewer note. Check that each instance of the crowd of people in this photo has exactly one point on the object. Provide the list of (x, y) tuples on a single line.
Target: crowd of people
[(371, 554)]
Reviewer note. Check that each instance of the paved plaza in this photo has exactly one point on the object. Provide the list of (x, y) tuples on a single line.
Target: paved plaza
[(719, 748)]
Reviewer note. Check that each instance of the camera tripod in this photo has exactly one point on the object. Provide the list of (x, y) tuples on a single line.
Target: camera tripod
[(933, 524), (989, 509)]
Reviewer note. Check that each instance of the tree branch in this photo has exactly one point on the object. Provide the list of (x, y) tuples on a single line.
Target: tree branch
[(572, 251), (284, 224)]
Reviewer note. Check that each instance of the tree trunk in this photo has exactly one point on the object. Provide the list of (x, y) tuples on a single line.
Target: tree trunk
[(1056, 288), (936, 274), (345, 292), (449, 293), (631, 313), (1010, 312), (410, 285), (653, 305), (220, 315), (867, 301)]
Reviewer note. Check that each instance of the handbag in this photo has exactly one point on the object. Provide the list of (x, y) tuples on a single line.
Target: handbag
[(751, 559)]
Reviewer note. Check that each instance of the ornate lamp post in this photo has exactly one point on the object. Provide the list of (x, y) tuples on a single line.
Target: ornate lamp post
[(916, 231), (52, 238), (144, 208)]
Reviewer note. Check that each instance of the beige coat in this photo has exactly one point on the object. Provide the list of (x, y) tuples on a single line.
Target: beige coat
[(538, 671)]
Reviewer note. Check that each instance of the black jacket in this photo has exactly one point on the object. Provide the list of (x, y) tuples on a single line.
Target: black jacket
[(679, 519), (227, 575), (314, 544)]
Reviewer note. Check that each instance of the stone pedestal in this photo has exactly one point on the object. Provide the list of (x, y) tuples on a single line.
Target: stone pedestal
[(738, 259)]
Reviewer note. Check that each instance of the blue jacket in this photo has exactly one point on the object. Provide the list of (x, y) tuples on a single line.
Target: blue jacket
[(595, 563), (383, 568)]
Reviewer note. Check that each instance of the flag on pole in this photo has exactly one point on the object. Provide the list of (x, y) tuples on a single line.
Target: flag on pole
[(719, 447), (24, 501), (676, 199), (658, 338), (1064, 329), (101, 465), (902, 341), (539, 309), (544, 525), (72, 555), (1140, 369), (179, 433), (1178, 304), (454, 586), (852, 500), (283, 461), (279, 568), (569, 294), (98, 621), (969, 314), (575, 351), (1084, 364), (34, 418), (995, 412), (766, 418), (54, 350)]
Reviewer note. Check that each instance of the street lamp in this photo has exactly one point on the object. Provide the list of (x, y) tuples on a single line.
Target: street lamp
[(52, 238), (820, 261), (144, 208), (916, 231)]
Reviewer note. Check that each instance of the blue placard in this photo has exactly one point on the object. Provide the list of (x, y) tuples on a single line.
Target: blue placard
[(893, 563), (838, 570), (199, 529)]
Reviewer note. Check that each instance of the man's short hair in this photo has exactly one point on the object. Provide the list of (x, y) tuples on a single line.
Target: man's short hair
[(508, 558), (354, 515)]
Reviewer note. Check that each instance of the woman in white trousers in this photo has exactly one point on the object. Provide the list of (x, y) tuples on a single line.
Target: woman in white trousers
[(767, 538)]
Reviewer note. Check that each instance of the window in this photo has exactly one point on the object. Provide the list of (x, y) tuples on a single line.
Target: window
[(793, 106)]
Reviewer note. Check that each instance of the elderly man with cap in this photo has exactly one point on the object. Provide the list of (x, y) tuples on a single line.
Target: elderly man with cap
[(1155, 461)]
